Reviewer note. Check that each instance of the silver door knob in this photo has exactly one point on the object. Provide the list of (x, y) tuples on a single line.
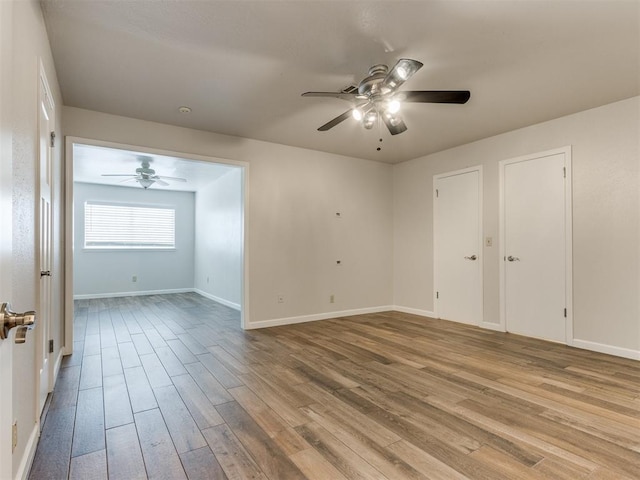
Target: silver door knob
[(513, 259), (22, 321), (472, 257)]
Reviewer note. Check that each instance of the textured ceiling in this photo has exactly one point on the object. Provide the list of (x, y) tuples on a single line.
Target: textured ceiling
[(242, 65)]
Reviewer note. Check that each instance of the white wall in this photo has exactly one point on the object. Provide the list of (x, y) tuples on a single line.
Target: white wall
[(29, 44), (606, 217), (100, 272), (294, 236), (218, 239)]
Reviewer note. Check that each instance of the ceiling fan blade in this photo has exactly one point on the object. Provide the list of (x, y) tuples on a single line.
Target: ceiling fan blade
[(117, 175), (401, 72), (161, 182), (341, 95), (435, 96), (128, 179), (176, 179), (335, 121), (395, 125)]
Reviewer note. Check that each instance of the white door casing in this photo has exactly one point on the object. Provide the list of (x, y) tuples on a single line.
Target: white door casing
[(46, 125), (535, 232), (458, 246), (69, 224)]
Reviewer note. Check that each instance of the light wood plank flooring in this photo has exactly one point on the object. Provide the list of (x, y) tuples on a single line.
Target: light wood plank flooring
[(170, 387)]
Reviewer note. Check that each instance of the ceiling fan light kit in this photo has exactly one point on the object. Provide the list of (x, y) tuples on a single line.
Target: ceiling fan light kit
[(145, 182), (376, 97)]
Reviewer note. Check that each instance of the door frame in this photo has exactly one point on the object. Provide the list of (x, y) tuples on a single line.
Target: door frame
[(476, 168), (568, 226), (68, 281), (44, 327)]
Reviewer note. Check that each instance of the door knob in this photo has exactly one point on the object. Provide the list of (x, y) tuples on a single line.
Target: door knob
[(472, 257), (22, 321), (513, 259)]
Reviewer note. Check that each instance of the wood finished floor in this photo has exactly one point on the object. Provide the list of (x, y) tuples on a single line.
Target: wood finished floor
[(170, 387)]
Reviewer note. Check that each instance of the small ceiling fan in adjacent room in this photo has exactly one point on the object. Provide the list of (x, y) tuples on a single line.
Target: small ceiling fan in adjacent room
[(377, 97), (145, 175)]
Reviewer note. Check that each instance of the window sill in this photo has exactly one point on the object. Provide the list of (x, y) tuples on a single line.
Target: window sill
[(127, 249)]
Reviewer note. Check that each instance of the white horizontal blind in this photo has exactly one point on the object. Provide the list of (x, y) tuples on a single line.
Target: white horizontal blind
[(125, 226)]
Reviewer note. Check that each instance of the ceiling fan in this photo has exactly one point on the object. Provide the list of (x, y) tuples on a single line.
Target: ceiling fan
[(145, 175), (377, 97)]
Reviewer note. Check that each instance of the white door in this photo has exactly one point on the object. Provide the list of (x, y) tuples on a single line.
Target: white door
[(6, 346), (6, 259), (534, 246), (457, 246), (46, 127)]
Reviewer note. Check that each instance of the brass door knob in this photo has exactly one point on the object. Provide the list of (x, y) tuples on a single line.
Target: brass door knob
[(10, 319)]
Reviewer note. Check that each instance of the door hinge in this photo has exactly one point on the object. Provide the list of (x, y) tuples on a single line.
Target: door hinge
[(51, 346), (437, 193), (53, 139), (14, 436), (565, 313), (437, 294), (564, 172)]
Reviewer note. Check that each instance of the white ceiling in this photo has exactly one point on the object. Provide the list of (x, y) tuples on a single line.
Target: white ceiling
[(242, 65), (91, 162)]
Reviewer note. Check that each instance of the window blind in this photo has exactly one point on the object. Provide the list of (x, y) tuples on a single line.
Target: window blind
[(124, 226)]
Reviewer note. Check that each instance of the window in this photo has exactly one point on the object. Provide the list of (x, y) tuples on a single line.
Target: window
[(113, 226)]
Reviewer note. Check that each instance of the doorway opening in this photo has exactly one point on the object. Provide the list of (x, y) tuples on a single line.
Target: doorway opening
[(149, 222)]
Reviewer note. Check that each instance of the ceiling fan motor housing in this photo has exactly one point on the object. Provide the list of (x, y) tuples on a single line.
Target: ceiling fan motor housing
[(145, 171), (371, 85)]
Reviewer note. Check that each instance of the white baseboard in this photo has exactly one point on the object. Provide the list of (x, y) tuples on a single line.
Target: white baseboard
[(608, 349), (131, 294), (235, 306), (584, 344), (29, 453), (414, 311), (319, 316), (56, 367), (492, 326)]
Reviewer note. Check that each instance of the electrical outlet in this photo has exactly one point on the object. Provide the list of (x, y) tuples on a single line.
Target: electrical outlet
[(14, 436), (134, 279), (207, 279), (280, 298), (332, 298)]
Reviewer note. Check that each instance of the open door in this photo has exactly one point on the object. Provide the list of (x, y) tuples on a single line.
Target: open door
[(6, 278)]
